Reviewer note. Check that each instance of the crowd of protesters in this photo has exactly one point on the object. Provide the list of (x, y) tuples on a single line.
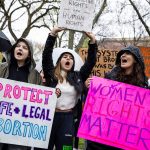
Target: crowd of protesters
[(71, 83)]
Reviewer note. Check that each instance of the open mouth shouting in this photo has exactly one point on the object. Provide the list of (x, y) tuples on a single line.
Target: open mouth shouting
[(127, 60), (124, 61), (19, 54), (67, 64)]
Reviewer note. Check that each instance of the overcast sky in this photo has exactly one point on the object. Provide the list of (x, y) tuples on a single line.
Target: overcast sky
[(40, 35)]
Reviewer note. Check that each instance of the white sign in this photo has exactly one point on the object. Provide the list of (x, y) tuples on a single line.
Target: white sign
[(26, 113), (77, 14)]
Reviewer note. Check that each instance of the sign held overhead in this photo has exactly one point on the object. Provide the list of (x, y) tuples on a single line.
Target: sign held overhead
[(76, 14)]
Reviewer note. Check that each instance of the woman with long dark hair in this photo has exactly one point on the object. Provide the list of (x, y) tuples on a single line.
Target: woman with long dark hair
[(129, 68)]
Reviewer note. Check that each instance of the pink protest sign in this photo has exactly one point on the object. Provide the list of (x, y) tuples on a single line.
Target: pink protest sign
[(116, 114)]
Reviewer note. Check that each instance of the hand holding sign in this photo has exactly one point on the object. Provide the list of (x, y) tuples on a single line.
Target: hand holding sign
[(76, 15), (116, 114), (91, 37), (87, 82), (55, 30)]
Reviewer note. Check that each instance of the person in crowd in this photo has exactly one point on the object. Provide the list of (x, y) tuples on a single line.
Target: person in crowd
[(129, 68), (70, 82), (19, 66)]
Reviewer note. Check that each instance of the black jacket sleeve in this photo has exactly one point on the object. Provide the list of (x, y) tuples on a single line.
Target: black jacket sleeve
[(86, 69), (47, 61)]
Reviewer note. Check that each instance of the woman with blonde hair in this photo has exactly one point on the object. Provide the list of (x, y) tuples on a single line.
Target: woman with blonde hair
[(63, 75)]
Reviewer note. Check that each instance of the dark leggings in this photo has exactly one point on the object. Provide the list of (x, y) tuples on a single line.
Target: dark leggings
[(62, 132)]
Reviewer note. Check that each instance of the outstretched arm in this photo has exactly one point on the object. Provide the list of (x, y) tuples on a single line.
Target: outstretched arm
[(91, 37), (47, 61), (86, 69)]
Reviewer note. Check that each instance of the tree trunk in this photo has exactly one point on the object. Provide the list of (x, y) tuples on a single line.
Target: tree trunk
[(71, 39)]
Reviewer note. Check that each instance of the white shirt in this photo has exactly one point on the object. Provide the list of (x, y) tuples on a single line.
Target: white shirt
[(68, 98)]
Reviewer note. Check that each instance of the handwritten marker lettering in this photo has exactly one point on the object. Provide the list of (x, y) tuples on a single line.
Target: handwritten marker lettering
[(26, 113), (116, 114)]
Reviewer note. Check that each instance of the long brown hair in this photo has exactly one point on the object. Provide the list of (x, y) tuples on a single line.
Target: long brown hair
[(137, 77)]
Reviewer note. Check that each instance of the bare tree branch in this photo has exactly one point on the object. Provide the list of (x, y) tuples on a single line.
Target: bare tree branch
[(140, 17), (35, 11), (148, 1)]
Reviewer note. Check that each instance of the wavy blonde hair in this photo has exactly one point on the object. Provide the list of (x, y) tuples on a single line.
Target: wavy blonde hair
[(57, 72)]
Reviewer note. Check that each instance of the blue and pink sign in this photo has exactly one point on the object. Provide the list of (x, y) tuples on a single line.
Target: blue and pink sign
[(116, 114), (26, 113)]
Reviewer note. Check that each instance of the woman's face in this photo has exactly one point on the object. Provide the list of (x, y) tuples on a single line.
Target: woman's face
[(66, 62), (127, 61), (21, 52)]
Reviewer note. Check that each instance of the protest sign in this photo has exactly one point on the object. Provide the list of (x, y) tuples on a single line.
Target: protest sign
[(105, 60), (76, 15), (26, 113), (116, 114), (146, 54)]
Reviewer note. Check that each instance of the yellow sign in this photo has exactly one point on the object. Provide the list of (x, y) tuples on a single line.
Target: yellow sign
[(105, 60)]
